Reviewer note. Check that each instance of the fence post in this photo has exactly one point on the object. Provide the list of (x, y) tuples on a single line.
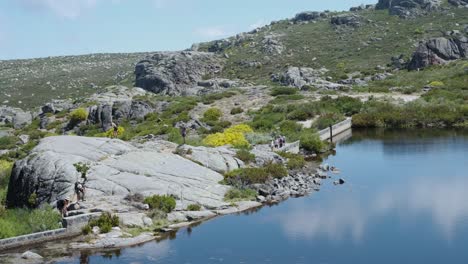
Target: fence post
[(331, 134)]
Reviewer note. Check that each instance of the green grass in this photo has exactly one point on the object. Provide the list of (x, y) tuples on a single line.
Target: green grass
[(236, 195), (165, 203), (340, 50), (16, 222)]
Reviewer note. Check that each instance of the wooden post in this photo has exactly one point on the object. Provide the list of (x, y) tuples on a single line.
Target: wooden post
[(331, 134)]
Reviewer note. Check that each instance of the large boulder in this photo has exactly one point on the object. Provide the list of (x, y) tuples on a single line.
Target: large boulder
[(408, 8), (15, 116), (117, 168), (175, 73), (438, 51), (302, 76)]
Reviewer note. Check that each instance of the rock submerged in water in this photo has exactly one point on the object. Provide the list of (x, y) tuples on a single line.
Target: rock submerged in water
[(117, 168)]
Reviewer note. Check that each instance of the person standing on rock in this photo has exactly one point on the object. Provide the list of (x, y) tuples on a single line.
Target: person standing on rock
[(115, 128), (183, 132), (79, 191)]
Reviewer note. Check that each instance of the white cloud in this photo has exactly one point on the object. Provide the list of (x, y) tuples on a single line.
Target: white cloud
[(212, 32), (64, 8), (259, 23)]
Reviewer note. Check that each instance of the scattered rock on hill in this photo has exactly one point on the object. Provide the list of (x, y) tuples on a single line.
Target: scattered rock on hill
[(309, 16), (347, 20), (175, 73), (439, 51), (408, 8), (302, 76), (362, 7), (272, 45)]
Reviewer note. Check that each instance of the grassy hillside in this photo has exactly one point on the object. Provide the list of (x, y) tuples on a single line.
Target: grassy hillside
[(341, 49), (33, 82)]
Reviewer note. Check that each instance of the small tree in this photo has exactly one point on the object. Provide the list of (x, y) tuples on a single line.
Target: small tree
[(83, 169)]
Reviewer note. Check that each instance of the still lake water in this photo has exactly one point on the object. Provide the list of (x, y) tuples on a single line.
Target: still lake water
[(405, 201)]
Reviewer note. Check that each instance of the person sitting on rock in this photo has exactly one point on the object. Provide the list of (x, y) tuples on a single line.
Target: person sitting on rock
[(62, 206), (79, 191), (115, 128)]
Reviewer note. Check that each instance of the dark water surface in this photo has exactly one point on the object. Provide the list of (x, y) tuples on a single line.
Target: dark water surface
[(405, 201)]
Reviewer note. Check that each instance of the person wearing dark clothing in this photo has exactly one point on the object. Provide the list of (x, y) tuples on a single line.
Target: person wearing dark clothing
[(183, 132), (62, 206)]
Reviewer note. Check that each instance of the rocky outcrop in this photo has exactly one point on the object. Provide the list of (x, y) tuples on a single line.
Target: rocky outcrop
[(272, 45), (17, 117), (362, 7), (347, 20), (309, 16), (408, 8), (175, 73), (219, 159), (302, 76), (439, 51), (459, 3), (117, 169)]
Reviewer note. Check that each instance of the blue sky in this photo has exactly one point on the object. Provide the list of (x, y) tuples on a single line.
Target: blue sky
[(41, 28)]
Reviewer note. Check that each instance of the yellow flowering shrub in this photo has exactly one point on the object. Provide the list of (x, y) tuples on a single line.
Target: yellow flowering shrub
[(241, 128), (436, 84), (79, 114), (110, 133)]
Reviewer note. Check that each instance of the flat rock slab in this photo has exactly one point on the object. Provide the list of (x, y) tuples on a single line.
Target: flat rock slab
[(117, 168), (114, 242)]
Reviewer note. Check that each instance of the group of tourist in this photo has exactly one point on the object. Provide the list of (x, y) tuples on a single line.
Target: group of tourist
[(278, 142)]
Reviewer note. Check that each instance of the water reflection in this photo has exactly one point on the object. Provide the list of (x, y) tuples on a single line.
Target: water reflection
[(350, 215)]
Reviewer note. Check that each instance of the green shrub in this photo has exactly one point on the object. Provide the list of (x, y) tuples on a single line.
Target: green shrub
[(245, 155), (105, 222), (165, 203), (236, 194), (86, 230), (79, 115), (193, 207), (212, 114), (283, 91), (246, 176), (311, 142), (295, 161), (236, 110), (16, 222), (275, 170), (328, 119), (258, 138), (82, 168), (8, 142)]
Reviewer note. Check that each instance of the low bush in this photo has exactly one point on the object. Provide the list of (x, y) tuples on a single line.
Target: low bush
[(275, 170), (311, 142), (8, 142), (283, 91), (236, 110), (235, 194), (245, 155), (295, 161), (246, 176), (79, 115), (165, 203), (105, 222), (231, 136), (110, 133), (212, 114), (193, 207), (258, 138)]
